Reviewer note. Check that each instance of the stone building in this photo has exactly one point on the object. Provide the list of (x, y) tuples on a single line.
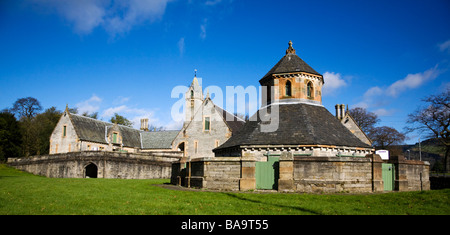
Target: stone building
[(347, 120), (302, 125), (206, 125), (293, 143), (76, 133)]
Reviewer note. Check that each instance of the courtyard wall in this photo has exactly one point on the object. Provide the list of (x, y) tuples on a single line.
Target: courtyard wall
[(155, 165)]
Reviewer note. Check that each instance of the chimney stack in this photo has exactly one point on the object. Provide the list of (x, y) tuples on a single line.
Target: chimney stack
[(340, 111), (144, 124)]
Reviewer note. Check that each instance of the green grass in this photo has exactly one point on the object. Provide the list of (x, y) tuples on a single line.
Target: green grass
[(26, 194)]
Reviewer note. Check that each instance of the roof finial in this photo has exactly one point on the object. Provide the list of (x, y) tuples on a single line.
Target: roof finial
[(195, 72), (290, 49)]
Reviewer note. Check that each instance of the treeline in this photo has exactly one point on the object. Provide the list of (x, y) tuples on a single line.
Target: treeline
[(25, 129)]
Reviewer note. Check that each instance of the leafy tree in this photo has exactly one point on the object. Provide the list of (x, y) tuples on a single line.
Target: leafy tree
[(434, 120), (10, 136), (121, 120), (26, 107), (45, 124), (92, 115)]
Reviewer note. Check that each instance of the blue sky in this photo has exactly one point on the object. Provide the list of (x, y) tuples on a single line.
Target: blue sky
[(126, 56)]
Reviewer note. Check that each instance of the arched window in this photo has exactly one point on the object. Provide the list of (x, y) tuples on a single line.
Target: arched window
[(288, 88), (309, 90), (192, 94)]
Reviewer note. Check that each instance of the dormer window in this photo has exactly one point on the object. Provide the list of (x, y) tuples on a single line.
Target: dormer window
[(288, 89)]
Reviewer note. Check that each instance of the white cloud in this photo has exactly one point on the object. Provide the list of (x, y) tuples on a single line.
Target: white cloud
[(381, 96), (133, 114), (91, 105), (212, 2), (114, 16), (333, 81), (445, 46), (203, 29), (110, 111), (181, 46), (411, 81), (120, 100), (383, 112)]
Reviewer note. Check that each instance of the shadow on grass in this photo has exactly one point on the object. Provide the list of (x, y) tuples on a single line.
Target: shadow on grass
[(297, 208)]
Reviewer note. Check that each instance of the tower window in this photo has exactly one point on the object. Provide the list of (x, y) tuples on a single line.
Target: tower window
[(192, 94), (288, 89), (309, 90)]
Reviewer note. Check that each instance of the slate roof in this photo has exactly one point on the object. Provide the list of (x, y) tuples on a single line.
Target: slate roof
[(233, 122), (290, 63), (158, 139), (299, 124), (89, 129)]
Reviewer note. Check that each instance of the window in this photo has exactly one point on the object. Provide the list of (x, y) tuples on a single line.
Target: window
[(207, 124), (192, 94), (195, 146), (64, 131), (288, 89), (309, 90)]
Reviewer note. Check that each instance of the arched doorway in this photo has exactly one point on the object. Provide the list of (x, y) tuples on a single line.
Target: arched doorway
[(181, 147), (91, 171)]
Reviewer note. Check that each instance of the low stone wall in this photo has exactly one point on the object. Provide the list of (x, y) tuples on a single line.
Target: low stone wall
[(410, 175), (109, 164), (332, 174), (209, 173), (311, 174)]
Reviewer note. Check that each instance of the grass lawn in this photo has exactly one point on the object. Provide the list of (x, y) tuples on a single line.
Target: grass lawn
[(26, 194)]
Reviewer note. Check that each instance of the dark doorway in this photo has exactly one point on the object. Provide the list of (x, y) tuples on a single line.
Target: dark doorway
[(91, 171), (181, 148)]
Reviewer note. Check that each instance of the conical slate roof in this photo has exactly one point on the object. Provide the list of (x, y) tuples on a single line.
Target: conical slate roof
[(291, 63), (299, 124)]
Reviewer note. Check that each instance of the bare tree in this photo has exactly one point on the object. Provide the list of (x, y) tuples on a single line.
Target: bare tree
[(366, 120), (385, 136), (26, 107), (434, 120)]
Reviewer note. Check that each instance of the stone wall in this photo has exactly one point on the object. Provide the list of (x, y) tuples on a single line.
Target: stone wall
[(304, 174), (332, 174), (410, 175), (154, 165), (218, 173)]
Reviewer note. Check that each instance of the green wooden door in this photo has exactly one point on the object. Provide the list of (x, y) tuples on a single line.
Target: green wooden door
[(388, 176), (267, 173)]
